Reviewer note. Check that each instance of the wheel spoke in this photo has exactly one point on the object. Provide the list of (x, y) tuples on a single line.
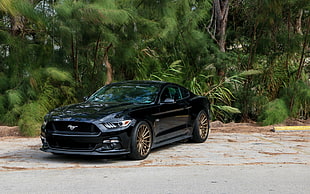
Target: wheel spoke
[(143, 140), (145, 134), (204, 120), (203, 125)]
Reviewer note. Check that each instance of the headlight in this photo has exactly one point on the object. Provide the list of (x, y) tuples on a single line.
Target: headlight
[(44, 125), (45, 120), (119, 124)]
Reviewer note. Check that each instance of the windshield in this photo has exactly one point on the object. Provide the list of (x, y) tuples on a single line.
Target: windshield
[(128, 93)]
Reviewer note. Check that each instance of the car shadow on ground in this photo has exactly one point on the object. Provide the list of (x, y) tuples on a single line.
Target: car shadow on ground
[(31, 157)]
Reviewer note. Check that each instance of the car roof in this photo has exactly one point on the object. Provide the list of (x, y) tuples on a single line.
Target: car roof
[(150, 82)]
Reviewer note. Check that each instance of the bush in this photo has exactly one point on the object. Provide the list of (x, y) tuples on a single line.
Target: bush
[(297, 96), (31, 119), (33, 96), (2, 105), (274, 112)]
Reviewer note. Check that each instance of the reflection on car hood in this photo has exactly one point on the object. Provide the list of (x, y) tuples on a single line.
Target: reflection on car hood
[(91, 111)]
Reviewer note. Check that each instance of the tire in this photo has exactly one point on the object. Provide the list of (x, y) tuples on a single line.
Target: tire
[(201, 127), (141, 141)]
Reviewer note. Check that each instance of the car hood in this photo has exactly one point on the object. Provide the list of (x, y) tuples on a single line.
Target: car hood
[(92, 111)]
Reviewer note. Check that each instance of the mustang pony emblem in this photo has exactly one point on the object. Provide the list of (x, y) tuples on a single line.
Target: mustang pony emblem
[(71, 127)]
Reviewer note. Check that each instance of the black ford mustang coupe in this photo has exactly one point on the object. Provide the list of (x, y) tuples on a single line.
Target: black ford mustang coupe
[(130, 118)]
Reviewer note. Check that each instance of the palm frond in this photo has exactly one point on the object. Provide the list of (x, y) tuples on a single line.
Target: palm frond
[(58, 75), (14, 97)]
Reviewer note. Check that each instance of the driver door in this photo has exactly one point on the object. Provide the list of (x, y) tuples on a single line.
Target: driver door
[(173, 115)]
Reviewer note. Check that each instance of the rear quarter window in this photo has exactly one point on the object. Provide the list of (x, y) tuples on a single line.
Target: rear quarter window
[(184, 92)]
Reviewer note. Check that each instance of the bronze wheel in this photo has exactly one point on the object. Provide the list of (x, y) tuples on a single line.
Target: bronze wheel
[(141, 141), (201, 127)]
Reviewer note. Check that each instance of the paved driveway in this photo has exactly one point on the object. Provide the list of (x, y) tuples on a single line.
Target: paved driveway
[(227, 162)]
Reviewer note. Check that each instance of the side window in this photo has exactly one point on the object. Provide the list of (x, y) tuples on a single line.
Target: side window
[(171, 92), (177, 94), (184, 92), (165, 95)]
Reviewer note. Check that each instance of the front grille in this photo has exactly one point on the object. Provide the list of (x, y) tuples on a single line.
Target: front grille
[(72, 135), (69, 143), (72, 127)]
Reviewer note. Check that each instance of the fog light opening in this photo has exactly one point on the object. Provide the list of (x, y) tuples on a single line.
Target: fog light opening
[(110, 144), (110, 141)]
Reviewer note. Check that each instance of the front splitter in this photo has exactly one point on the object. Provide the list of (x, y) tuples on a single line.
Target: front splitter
[(83, 152)]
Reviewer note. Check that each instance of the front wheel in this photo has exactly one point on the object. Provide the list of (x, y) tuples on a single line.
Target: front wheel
[(141, 141), (201, 127)]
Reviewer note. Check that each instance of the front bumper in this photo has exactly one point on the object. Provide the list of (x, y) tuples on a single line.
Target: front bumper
[(101, 144), (88, 153)]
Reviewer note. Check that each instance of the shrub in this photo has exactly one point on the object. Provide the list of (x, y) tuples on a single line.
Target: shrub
[(297, 96), (56, 91), (274, 112)]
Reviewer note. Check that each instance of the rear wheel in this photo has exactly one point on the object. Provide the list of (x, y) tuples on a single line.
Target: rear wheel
[(141, 141), (201, 127)]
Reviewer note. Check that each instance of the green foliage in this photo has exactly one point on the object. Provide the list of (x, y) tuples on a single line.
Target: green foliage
[(36, 94), (31, 119), (297, 97), (269, 42), (172, 74), (3, 102), (221, 98), (274, 112), (56, 91), (11, 116), (3, 82), (14, 98), (224, 113), (52, 60), (58, 75)]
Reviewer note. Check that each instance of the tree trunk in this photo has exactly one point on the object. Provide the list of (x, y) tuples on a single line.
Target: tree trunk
[(302, 60), (95, 57), (298, 22), (304, 48), (108, 65), (219, 23), (217, 27), (17, 25), (74, 57), (221, 15)]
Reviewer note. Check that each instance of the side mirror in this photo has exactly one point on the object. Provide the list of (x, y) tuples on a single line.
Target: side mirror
[(169, 101), (85, 98)]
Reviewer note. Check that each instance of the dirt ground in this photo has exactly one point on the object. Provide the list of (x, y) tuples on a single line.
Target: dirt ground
[(216, 126), (253, 127), (9, 131)]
